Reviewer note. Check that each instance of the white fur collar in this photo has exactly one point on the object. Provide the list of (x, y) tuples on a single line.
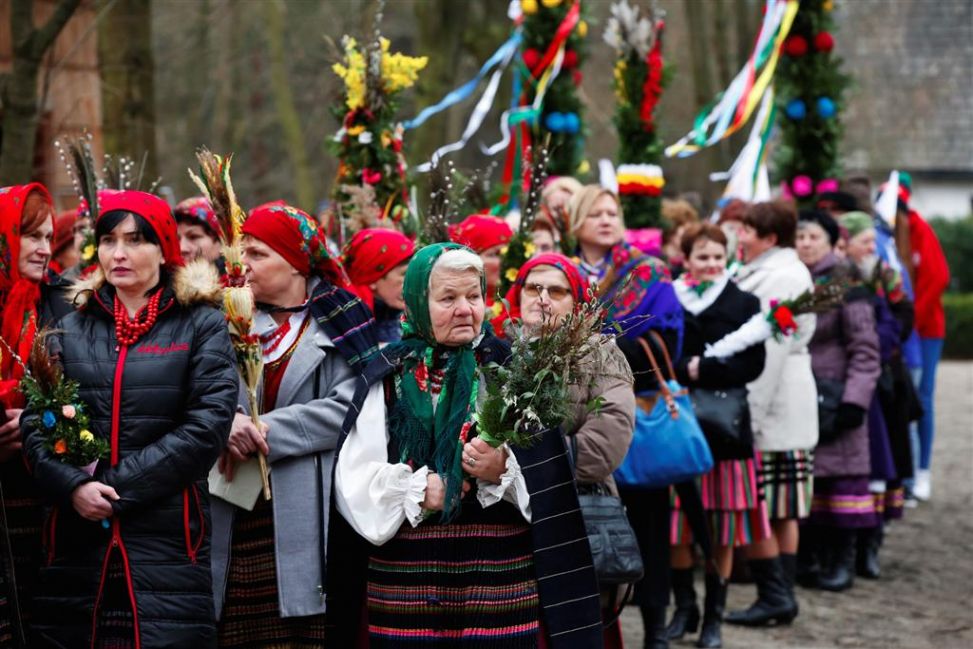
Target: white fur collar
[(695, 303)]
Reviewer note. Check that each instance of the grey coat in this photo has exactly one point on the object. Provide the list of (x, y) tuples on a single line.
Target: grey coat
[(315, 392), (845, 348)]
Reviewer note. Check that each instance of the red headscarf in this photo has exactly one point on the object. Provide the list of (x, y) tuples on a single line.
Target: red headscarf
[(481, 232), (579, 286), (151, 208), (296, 237), (371, 254), (198, 211), (18, 295)]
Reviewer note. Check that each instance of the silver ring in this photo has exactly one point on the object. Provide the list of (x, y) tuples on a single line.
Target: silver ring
[(471, 461)]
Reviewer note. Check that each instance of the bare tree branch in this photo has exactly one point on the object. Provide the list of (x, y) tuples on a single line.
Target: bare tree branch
[(45, 35)]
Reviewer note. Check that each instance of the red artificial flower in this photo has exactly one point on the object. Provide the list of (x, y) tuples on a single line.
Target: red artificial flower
[(784, 318), (570, 60), (796, 46), (370, 177), (60, 447), (576, 77), (531, 58), (824, 42)]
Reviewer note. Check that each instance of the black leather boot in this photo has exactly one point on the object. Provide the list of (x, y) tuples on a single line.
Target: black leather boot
[(775, 600), (808, 558), (869, 544), (715, 604), (654, 621), (841, 573), (685, 619)]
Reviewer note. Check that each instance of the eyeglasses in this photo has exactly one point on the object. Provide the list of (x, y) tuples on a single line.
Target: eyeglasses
[(556, 293)]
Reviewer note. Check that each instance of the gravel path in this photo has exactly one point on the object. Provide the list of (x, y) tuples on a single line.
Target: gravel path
[(924, 599)]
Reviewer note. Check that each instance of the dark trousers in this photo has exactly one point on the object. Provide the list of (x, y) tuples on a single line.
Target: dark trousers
[(649, 513)]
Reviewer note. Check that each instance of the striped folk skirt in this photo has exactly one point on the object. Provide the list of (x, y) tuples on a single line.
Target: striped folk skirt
[(735, 508), (467, 584), (786, 478), (844, 502), (251, 612)]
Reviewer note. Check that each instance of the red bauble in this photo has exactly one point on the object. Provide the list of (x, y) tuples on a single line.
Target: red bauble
[(531, 58), (570, 60), (824, 42), (795, 46)]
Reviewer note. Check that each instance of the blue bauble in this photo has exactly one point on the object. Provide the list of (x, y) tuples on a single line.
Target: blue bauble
[(826, 107), (572, 123), (554, 122), (796, 109)]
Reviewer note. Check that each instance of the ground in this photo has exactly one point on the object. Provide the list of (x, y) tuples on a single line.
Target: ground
[(924, 599)]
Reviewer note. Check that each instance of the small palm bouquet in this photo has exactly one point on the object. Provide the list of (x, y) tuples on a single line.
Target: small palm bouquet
[(530, 394), (63, 417)]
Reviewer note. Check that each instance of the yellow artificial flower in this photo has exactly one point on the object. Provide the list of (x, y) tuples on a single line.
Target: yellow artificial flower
[(529, 249), (496, 309), (86, 436), (503, 251), (582, 28), (584, 167), (550, 3), (400, 71), (89, 251), (386, 139), (827, 5), (619, 74), (355, 131), (511, 274), (528, 6)]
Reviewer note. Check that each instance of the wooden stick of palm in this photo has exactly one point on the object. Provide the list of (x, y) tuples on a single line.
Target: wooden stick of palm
[(238, 304)]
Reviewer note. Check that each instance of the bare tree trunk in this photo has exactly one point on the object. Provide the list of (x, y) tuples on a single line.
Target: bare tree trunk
[(127, 82), (18, 88), (287, 114)]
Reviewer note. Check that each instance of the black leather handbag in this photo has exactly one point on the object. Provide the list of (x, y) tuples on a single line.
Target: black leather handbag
[(724, 414), (614, 548), (830, 393)]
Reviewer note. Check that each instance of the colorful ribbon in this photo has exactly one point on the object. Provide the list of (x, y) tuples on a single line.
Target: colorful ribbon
[(733, 108)]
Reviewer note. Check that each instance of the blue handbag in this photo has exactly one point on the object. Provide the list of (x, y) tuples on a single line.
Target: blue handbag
[(668, 446)]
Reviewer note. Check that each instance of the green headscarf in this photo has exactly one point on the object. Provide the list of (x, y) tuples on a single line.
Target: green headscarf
[(424, 435), (856, 222)]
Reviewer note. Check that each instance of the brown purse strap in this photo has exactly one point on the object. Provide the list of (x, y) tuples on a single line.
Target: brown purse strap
[(665, 351), (663, 386)]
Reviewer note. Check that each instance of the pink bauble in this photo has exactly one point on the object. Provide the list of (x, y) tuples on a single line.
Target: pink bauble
[(802, 185)]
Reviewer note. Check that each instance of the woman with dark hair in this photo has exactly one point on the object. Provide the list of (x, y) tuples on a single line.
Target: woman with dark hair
[(199, 229), (639, 299), (452, 542), (30, 298), (736, 513), (128, 547), (845, 352), (783, 410)]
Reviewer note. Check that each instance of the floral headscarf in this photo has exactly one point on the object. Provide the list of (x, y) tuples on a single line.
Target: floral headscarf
[(426, 435), (579, 286), (18, 295)]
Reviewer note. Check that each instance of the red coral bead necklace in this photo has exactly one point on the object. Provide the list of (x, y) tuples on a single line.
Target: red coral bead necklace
[(128, 331)]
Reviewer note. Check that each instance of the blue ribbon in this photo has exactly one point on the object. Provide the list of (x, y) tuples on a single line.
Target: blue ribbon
[(464, 91)]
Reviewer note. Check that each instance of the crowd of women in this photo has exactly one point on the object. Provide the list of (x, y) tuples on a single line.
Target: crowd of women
[(392, 522)]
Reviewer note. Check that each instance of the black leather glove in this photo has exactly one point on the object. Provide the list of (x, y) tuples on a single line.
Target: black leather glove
[(849, 416)]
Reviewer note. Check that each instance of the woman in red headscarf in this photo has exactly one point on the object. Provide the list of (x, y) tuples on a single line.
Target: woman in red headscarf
[(127, 544), (30, 297), (269, 560), (549, 287), (376, 259), (487, 236)]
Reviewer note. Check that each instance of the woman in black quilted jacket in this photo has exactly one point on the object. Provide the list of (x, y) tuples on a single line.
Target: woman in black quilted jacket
[(128, 548)]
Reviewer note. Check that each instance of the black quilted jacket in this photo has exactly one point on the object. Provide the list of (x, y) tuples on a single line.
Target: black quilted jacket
[(166, 404)]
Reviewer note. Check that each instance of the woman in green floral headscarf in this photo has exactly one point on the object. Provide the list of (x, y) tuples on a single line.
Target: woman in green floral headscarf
[(452, 556)]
